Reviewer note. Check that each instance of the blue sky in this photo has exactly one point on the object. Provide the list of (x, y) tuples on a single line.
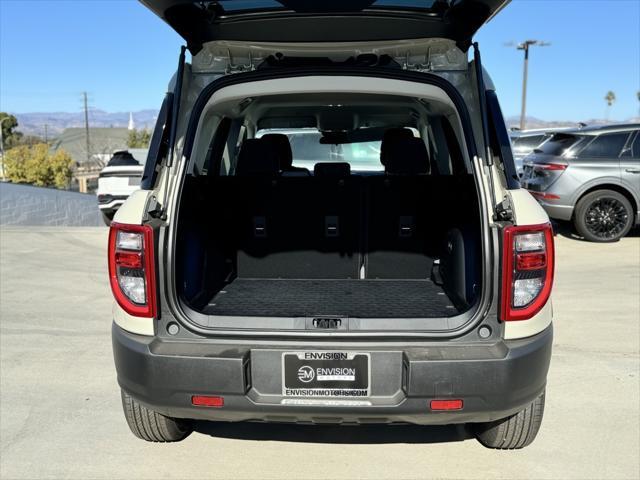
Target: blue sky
[(123, 56)]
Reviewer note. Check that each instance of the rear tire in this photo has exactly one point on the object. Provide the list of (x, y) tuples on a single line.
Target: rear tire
[(603, 216), (152, 426), (514, 432)]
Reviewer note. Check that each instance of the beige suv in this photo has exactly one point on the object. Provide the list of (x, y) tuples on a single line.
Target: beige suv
[(330, 229)]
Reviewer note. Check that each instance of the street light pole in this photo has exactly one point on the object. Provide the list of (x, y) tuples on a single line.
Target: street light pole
[(525, 47)]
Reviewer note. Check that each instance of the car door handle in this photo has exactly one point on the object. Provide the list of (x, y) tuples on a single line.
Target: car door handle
[(632, 170)]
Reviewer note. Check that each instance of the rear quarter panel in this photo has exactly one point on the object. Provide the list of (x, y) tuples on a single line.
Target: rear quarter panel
[(527, 211)]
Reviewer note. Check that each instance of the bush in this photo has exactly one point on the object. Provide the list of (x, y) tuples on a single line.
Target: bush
[(35, 165)]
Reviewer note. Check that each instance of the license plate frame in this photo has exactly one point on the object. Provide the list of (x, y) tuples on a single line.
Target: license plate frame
[(326, 374)]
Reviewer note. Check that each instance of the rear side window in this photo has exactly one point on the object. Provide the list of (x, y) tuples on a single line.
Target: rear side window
[(633, 148), (558, 144), (606, 145)]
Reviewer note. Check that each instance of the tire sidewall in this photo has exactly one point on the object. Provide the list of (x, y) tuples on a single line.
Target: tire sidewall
[(583, 206)]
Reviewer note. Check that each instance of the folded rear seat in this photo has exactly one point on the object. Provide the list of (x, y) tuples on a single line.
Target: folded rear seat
[(400, 211), (297, 227)]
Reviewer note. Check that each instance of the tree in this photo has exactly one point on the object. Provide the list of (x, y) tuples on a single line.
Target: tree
[(10, 137), (34, 164), (610, 98), (139, 139)]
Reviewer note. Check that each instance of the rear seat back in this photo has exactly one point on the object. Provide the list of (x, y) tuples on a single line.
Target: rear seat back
[(293, 226), (329, 225), (399, 211)]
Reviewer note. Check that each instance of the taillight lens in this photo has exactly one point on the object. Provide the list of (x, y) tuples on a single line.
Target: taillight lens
[(527, 273), (550, 166), (132, 268)]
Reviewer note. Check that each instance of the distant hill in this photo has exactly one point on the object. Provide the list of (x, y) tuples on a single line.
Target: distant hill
[(34, 123)]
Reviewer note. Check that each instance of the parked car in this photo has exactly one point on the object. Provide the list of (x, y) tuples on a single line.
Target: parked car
[(524, 141), (117, 180), (590, 177), (331, 230)]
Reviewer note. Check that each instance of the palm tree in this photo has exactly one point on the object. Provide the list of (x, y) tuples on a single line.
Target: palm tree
[(610, 98)]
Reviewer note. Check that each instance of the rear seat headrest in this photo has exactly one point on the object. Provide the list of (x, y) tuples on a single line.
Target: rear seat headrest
[(392, 135), (257, 157), (408, 156), (332, 169), (282, 147)]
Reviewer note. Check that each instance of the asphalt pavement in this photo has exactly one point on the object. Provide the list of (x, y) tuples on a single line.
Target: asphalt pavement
[(60, 412)]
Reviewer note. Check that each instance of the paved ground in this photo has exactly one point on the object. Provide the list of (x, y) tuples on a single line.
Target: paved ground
[(60, 405)]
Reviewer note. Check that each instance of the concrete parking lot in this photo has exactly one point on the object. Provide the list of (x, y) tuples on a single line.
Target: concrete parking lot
[(60, 404)]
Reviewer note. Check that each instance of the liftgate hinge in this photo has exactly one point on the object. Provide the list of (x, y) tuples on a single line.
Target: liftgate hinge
[(504, 212)]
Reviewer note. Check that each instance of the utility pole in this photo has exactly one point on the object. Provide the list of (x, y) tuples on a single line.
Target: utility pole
[(46, 133), (86, 126), (525, 46)]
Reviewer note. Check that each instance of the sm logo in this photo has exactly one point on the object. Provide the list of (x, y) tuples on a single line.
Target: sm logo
[(306, 374)]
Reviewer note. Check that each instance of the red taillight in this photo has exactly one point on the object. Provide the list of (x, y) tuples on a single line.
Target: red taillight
[(550, 166), (132, 268), (207, 401), (530, 261), (446, 404), (527, 270), (545, 195)]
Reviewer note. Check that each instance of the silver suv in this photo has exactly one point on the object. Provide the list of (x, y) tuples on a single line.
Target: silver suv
[(330, 229), (591, 177)]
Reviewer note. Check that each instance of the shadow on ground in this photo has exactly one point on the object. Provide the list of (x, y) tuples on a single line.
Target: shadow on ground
[(565, 229), (335, 434)]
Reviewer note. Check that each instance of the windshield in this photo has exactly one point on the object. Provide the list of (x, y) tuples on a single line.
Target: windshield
[(559, 144), (307, 150)]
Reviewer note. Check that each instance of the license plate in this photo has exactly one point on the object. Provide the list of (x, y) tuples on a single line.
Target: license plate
[(326, 374), (134, 181)]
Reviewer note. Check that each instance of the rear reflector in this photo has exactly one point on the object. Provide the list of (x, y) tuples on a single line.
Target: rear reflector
[(207, 401), (446, 404)]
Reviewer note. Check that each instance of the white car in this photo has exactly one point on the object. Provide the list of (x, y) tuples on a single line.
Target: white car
[(117, 180), (331, 230)]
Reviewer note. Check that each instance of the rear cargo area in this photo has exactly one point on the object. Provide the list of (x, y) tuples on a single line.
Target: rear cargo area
[(341, 246), (322, 206)]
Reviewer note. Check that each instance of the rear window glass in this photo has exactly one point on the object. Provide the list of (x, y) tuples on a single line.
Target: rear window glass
[(558, 144), (307, 150), (528, 141), (607, 145), (242, 6)]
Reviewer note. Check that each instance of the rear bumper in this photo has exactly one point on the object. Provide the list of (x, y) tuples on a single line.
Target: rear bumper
[(494, 381), (554, 209), (110, 203)]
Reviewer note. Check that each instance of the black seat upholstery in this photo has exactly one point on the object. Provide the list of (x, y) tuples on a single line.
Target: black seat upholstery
[(332, 169), (392, 135), (407, 156), (398, 241), (282, 146), (257, 157)]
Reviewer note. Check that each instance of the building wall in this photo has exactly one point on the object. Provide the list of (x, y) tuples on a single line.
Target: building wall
[(27, 205)]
